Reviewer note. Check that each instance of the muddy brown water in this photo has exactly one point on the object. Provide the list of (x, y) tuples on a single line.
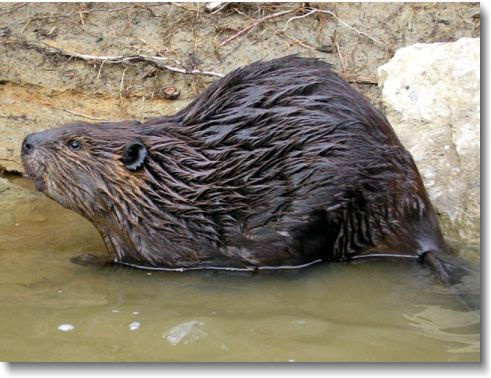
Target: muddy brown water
[(54, 310)]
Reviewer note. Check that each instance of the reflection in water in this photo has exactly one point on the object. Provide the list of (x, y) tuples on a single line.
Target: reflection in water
[(185, 332), (449, 325), (54, 310)]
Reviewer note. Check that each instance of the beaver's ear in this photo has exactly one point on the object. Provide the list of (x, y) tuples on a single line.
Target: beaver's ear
[(134, 156)]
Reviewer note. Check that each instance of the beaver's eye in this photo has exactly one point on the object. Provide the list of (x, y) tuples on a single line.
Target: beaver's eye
[(75, 145)]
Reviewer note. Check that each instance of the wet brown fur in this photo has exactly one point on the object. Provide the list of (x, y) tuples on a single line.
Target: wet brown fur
[(278, 163)]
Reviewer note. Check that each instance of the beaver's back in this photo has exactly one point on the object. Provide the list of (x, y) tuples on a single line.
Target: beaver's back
[(305, 167)]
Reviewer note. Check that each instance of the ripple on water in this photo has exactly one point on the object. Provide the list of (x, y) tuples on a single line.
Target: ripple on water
[(185, 333), (459, 329)]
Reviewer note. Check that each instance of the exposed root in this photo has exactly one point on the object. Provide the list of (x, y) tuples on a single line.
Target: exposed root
[(158, 61), (315, 10), (310, 11), (254, 25), (295, 40), (365, 80), (121, 87), (12, 9), (343, 63), (81, 114), (184, 7), (79, 13)]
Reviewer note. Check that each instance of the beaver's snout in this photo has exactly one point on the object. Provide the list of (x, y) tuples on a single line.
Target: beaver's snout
[(30, 142), (30, 155), (34, 141)]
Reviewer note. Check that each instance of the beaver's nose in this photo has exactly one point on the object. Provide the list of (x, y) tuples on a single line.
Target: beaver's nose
[(29, 143)]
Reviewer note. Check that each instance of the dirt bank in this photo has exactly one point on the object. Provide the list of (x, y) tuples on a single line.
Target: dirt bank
[(61, 62)]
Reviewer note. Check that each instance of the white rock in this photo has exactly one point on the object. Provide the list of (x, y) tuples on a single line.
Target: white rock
[(431, 97), (214, 5)]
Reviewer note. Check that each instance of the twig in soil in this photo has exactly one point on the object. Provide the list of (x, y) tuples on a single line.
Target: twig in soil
[(345, 24), (81, 114), (366, 80), (195, 35), (13, 9), (81, 13), (157, 50), (236, 10), (100, 70), (353, 79), (297, 17), (121, 88), (220, 8), (343, 63), (296, 41), (254, 25), (183, 7), (25, 26), (157, 61)]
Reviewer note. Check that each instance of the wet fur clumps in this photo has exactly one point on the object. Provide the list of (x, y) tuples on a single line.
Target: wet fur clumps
[(280, 163)]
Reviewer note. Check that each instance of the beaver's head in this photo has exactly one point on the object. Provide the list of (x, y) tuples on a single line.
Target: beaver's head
[(85, 167), (133, 182)]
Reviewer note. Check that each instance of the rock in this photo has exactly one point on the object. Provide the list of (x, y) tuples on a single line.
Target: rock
[(213, 6), (4, 185), (169, 92), (431, 97)]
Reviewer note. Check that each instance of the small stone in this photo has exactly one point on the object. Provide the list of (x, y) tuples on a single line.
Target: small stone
[(4, 185), (5, 32), (325, 45), (134, 326), (213, 6), (169, 92)]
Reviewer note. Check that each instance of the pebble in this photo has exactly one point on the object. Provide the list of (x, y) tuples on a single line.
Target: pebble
[(134, 326), (170, 92)]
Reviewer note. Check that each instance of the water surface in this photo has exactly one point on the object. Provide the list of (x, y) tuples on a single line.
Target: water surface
[(54, 310)]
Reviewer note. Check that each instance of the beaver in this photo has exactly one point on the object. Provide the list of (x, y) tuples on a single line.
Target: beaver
[(280, 163)]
